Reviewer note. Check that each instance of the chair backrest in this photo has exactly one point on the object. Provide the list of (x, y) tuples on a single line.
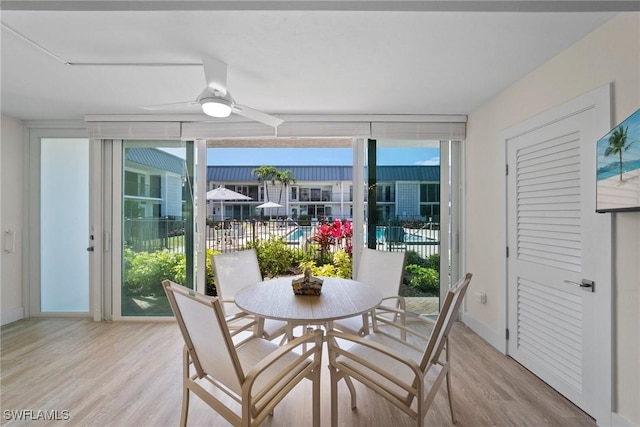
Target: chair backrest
[(206, 335), (384, 270), (444, 322), (233, 271)]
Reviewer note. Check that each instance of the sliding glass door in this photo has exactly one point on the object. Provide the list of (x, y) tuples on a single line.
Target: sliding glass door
[(156, 224), (407, 208)]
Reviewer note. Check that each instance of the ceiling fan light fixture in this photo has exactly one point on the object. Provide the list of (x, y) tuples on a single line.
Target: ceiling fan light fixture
[(216, 107)]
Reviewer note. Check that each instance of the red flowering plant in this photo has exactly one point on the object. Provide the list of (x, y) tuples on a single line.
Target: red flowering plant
[(346, 233), (336, 234)]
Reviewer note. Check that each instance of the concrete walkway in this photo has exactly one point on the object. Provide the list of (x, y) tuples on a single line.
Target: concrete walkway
[(422, 305)]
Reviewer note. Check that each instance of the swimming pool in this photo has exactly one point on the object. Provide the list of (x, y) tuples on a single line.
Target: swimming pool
[(306, 231)]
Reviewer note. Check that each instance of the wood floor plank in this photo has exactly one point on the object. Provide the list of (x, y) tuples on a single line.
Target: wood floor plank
[(129, 374)]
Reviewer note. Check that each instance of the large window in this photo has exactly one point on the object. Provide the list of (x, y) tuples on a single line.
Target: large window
[(430, 202), (315, 194), (384, 193), (430, 193), (402, 180), (157, 224), (248, 190)]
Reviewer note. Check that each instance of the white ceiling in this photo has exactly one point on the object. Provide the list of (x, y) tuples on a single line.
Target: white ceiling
[(393, 60)]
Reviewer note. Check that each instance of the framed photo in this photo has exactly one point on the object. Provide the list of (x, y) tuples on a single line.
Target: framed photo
[(618, 168)]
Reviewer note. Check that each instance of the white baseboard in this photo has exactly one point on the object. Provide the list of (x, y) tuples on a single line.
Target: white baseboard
[(618, 421), (9, 316), (494, 338)]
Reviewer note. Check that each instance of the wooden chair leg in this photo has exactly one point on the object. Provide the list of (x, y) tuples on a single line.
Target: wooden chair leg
[(334, 378), (352, 391), (186, 361), (449, 390), (450, 397), (185, 407), (316, 397)]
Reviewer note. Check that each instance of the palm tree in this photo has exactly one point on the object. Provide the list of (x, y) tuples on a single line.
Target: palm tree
[(264, 174), (618, 144), (286, 178)]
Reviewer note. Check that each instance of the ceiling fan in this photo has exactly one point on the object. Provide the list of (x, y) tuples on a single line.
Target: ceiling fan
[(215, 99)]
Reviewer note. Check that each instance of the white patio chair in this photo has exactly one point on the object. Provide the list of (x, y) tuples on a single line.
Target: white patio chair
[(255, 373), (400, 370), (233, 271), (384, 270)]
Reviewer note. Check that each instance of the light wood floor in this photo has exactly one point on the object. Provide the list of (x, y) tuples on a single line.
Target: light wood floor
[(128, 374)]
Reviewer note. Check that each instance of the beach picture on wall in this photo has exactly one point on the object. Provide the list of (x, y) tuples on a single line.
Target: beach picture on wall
[(618, 173)]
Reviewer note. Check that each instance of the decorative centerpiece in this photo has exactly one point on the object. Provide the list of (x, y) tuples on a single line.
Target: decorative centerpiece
[(307, 285)]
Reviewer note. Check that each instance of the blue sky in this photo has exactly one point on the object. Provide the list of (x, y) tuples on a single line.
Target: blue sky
[(317, 156)]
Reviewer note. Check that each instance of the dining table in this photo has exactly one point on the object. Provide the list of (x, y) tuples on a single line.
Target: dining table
[(340, 298)]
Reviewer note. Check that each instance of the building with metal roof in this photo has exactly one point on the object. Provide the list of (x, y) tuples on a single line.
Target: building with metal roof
[(152, 183), (153, 188), (155, 158), (325, 192)]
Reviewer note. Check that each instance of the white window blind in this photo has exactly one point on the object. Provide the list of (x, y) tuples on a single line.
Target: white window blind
[(419, 130), (133, 130), (220, 129), (419, 127)]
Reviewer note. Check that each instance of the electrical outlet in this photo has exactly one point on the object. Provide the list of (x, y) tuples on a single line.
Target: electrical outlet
[(482, 297)]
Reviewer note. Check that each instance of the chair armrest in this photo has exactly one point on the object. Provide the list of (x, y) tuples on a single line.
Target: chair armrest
[(408, 314), (334, 348), (228, 301), (402, 326), (315, 337), (240, 321), (400, 301), (239, 315)]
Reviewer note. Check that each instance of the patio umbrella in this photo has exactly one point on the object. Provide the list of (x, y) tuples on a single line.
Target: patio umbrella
[(223, 194), (269, 205)]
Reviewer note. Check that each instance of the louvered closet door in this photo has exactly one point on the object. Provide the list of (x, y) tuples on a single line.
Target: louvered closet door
[(552, 247)]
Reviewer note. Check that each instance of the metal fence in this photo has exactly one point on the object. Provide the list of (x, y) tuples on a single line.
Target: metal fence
[(154, 234), (230, 236)]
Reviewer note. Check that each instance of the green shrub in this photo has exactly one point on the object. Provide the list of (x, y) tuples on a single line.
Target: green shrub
[(340, 266), (145, 271), (424, 279), (325, 270), (342, 262), (274, 256), (433, 262), (414, 258), (209, 277)]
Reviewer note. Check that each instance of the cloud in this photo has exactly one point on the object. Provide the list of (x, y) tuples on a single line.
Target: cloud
[(434, 161)]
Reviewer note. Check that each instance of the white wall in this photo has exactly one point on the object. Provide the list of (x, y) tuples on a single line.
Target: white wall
[(11, 218), (609, 54)]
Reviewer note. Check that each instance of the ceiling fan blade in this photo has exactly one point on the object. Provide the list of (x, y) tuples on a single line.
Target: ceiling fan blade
[(215, 72), (172, 106), (256, 115)]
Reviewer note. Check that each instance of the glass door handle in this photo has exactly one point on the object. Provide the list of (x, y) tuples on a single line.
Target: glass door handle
[(585, 284)]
